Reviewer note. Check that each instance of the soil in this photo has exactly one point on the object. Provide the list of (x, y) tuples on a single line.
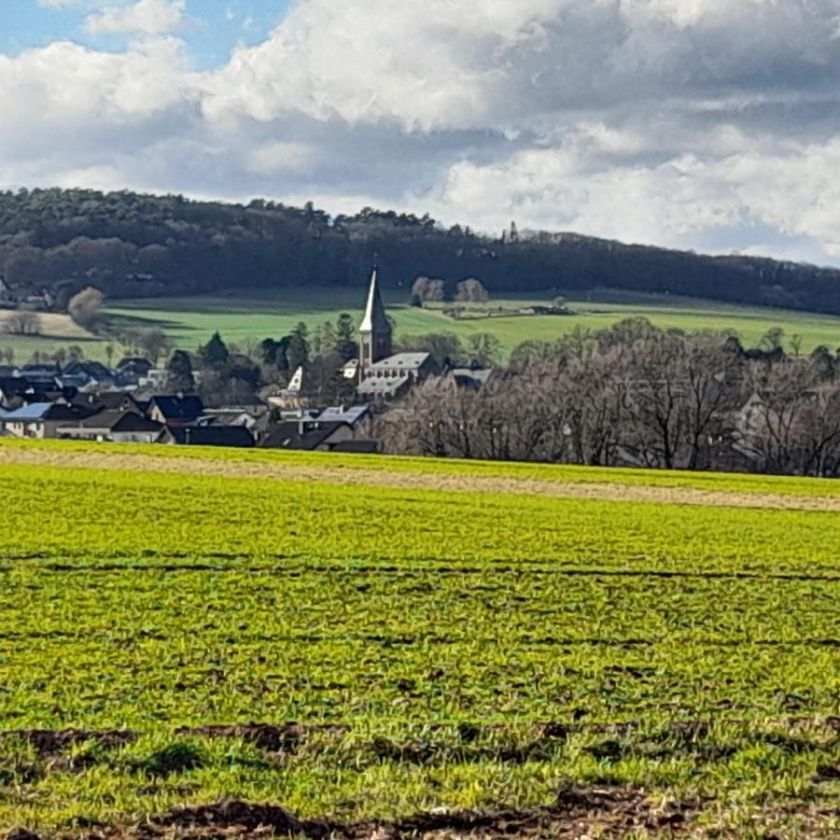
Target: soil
[(115, 459), (49, 742), (577, 813), (271, 738)]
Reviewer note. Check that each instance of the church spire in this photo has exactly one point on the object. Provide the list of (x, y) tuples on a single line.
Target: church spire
[(375, 329)]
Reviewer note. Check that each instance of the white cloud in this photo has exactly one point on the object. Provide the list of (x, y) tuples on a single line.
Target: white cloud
[(147, 17), (695, 123)]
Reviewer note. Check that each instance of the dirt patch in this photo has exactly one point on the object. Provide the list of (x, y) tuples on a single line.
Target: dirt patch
[(115, 459), (271, 738), (577, 812), (49, 742)]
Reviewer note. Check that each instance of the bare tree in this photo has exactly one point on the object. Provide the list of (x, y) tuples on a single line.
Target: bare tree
[(153, 343), (22, 322), (471, 290)]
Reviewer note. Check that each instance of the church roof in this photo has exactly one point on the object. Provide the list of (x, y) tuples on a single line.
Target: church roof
[(375, 319)]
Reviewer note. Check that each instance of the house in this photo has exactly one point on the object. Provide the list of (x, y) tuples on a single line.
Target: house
[(115, 426), (252, 417), (13, 391), (175, 411), (353, 416), (86, 376), (130, 371), (156, 379), (112, 401), (297, 435), (233, 436), (62, 413), (41, 374), (27, 421), (41, 419)]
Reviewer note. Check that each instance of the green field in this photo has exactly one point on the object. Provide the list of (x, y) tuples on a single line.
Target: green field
[(243, 316), (448, 636), (252, 316)]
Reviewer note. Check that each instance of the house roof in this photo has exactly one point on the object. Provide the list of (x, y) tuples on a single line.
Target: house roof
[(30, 412), (109, 400), (358, 447), (117, 420), (237, 436), (386, 386), (471, 377), (131, 421), (14, 385), (288, 436), (137, 362), (375, 317), (401, 361), (93, 370), (338, 414), (67, 411), (179, 408)]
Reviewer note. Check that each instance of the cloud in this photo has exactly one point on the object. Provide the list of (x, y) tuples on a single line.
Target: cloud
[(147, 17), (694, 123)]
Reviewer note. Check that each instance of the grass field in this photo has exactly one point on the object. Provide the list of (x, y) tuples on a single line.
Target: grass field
[(600, 653), (242, 316), (57, 331), (248, 315)]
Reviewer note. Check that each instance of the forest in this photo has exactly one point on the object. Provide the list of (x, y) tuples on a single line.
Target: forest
[(130, 246)]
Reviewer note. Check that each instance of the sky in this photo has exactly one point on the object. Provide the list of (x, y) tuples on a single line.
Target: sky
[(711, 125)]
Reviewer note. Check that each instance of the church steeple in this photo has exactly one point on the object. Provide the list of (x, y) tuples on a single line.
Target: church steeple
[(375, 329)]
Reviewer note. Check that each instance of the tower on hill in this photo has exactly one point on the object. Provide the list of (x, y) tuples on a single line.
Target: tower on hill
[(375, 337)]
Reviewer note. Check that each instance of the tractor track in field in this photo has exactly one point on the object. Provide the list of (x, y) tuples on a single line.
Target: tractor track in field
[(115, 460)]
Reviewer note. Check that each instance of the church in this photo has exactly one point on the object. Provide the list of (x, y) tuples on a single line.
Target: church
[(379, 372)]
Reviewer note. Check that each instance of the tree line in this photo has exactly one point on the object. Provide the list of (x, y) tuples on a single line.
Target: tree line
[(636, 395), (131, 245)]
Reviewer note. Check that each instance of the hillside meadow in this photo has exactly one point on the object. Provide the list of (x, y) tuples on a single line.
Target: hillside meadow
[(253, 316), (388, 647)]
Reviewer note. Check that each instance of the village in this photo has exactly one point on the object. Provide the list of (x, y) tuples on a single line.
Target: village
[(141, 403)]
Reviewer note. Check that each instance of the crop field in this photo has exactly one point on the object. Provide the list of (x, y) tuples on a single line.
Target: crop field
[(243, 316), (197, 643)]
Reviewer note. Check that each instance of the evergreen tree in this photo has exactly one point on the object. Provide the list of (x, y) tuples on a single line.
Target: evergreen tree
[(214, 354), (180, 370), (345, 345), (297, 350)]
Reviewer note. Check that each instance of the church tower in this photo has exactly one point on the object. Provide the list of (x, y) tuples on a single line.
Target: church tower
[(375, 339)]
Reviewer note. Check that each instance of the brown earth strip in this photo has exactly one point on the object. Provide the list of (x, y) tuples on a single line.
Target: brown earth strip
[(48, 742), (112, 459), (577, 812)]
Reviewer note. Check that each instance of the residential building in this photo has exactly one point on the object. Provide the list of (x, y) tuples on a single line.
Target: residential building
[(179, 410)]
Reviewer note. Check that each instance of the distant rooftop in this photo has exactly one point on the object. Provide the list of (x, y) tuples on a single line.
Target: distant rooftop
[(408, 361)]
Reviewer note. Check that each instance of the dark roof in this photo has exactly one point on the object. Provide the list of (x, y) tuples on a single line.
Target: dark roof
[(137, 363), (93, 370), (178, 408), (14, 385), (359, 447), (288, 436), (237, 436), (67, 412), (109, 400), (133, 422)]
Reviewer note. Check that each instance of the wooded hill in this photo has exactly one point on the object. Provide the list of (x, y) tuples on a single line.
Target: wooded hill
[(131, 245)]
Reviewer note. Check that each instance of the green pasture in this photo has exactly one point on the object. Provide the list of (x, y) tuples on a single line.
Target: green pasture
[(426, 637), (253, 316)]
